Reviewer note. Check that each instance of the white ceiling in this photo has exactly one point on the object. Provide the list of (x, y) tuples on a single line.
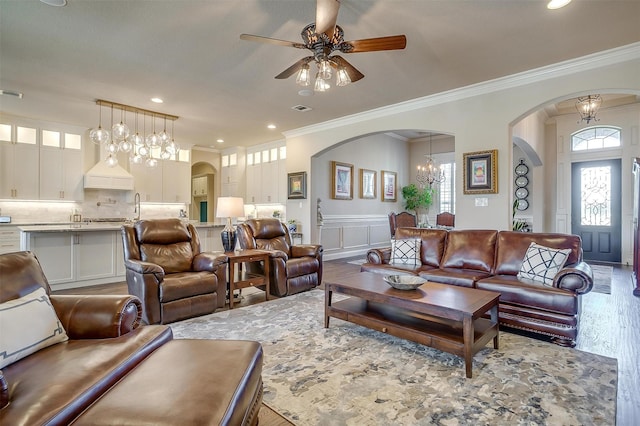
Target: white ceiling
[(189, 53)]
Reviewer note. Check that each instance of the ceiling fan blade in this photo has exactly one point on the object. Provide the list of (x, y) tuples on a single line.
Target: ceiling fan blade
[(294, 68), (375, 44), (260, 39), (354, 74), (326, 16)]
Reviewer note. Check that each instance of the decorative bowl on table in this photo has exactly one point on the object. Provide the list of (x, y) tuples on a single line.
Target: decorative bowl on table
[(404, 282)]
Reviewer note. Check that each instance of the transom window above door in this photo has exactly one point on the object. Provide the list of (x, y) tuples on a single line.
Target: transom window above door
[(599, 137)]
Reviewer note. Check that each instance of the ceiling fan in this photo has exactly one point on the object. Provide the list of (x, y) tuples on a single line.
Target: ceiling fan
[(323, 38)]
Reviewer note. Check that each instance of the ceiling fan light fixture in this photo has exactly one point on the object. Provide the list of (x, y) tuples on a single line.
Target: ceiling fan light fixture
[(321, 84), (324, 69), (304, 76), (342, 77)]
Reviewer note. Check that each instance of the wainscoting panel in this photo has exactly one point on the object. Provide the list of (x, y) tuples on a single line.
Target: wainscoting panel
[(347, 236)]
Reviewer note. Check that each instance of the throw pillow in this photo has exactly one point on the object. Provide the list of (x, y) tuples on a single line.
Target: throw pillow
[(542, 263), (405, 252), (28, 324)]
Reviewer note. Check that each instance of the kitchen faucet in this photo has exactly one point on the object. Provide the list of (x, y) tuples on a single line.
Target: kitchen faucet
[(136, 203)]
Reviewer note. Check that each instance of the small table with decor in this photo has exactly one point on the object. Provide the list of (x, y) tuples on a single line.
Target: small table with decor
[(240, 278)]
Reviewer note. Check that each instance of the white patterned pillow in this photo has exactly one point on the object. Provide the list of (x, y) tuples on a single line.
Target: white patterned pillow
[(405, 252), (28, 324), (542, 263)]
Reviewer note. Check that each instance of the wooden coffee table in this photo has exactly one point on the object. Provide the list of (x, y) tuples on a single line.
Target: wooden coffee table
[(445, 317)]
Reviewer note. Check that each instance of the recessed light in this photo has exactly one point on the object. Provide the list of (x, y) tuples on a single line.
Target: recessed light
[(220, 140), (306, 92), (557, 4), (157, 100), (11, 93), (271, 126), (55, 2)]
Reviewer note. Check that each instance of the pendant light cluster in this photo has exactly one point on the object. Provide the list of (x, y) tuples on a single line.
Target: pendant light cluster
[(145, 149)]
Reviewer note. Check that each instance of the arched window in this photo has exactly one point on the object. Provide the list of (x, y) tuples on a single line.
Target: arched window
[(599, 137)]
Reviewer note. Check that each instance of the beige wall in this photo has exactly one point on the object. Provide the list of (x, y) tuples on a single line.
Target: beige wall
[(479, 117)]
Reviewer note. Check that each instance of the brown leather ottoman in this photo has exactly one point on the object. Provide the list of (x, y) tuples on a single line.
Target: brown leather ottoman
[(187, 382)]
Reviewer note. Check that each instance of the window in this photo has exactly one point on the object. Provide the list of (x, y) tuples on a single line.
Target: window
[(600, 137), (447, 189)]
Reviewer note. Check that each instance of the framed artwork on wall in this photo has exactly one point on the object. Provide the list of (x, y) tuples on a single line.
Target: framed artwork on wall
[(389, 186), (297, 185), (480, 172), (367, 183), (341, 181)]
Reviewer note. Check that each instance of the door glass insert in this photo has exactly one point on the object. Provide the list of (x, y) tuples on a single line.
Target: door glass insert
[(595, 199)]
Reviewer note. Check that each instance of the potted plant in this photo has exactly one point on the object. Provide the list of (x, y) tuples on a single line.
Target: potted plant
[(418, 200)]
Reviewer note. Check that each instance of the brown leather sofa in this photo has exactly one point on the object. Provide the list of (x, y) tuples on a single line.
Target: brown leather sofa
[(491, 260), (112, 370), (293, 268), (170, 274)]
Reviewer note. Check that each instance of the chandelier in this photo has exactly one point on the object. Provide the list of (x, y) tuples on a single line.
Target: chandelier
[(144, 149), (429, 173), (588, 106)]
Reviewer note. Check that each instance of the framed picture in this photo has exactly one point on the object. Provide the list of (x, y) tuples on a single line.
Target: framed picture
[(342, 181), (389, 186), (480, 172), (297, 185), (367, 184)]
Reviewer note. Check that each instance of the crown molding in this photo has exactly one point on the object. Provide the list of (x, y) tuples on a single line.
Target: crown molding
[(604, 58)]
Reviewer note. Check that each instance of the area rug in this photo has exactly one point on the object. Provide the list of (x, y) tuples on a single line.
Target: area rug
[(357, 261), (602, 276), (350, 375)]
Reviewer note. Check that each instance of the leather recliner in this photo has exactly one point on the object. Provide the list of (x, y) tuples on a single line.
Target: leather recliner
[(168, 272), (293, 268)]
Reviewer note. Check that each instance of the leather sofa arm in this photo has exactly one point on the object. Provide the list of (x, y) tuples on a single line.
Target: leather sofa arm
[(141, 267), (577, 277), (379, 256), (97, 316), (303, 250), (209, 261)]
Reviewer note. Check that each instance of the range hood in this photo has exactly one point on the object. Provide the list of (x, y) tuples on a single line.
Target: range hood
[(101, 176)]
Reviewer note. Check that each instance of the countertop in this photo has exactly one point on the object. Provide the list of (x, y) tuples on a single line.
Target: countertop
[(89, 227)]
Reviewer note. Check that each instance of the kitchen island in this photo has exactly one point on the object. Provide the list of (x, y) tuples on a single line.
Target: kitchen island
[(84, 254)]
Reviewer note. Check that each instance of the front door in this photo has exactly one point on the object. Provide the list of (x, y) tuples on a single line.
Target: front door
[(596, 208)]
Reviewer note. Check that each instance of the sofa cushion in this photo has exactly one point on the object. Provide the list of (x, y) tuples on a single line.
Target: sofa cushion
[(542, 263), (470, 249), (77, 372), (454, 276), (512, 246), (405, 252), (28, 324), (431, 245)]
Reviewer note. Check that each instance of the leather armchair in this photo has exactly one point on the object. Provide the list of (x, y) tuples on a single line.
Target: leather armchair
[(168, 272), (293, 268)]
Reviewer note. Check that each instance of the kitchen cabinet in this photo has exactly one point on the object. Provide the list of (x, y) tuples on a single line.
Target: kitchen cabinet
[(210, 239), (76, 259), (19, 170), (9, 239), (232, 172), (147, 181), (200, 186), (61, 174), (267, 175), (176, 182)]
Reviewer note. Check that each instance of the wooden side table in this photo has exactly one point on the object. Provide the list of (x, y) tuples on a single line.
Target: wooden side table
[(246, 279)]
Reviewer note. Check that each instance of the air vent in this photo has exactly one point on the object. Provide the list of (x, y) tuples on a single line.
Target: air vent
[(301, 108)]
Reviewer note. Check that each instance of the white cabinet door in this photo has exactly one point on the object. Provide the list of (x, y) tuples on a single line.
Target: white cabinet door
[(176, 176), (282, 184), (61, 174), (148, 182), (20, 171), (9, 239), (270, 182), (55, 251), (254, 183), (120, 269), (95, 255)]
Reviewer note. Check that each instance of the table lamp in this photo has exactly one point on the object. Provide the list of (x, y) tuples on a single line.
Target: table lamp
[(229, 207)]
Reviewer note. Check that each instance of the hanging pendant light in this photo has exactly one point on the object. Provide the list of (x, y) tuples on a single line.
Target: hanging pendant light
[(153, 140), (136, 139), (172, 147), (588, 107), (99, 135), (120, 131), (163, 135)]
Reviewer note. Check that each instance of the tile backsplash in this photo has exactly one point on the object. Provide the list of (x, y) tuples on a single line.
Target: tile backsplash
[(96, 204)]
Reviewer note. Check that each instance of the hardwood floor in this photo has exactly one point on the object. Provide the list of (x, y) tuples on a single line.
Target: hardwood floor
[(610, 326)]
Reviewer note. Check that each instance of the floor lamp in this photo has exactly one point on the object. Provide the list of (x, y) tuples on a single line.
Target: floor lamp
[(228, 207)]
